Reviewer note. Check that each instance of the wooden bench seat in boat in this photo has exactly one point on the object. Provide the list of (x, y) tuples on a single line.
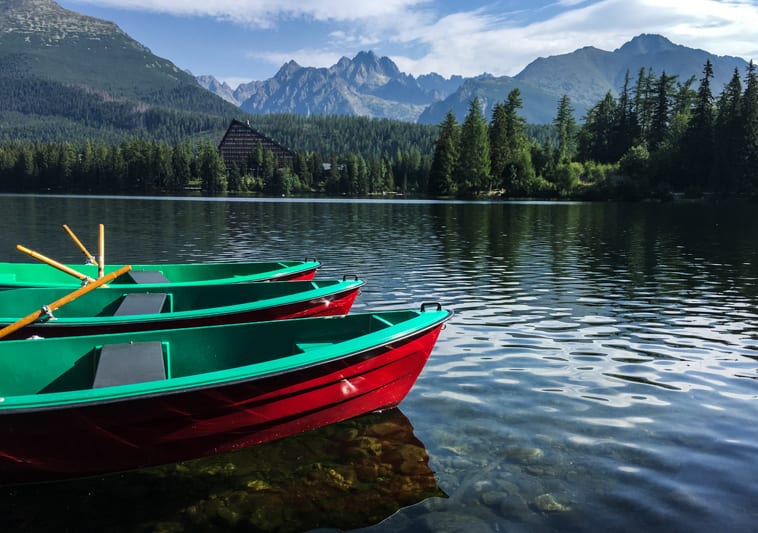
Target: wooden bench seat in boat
[(147, 276), (141, 303), (122, 364)]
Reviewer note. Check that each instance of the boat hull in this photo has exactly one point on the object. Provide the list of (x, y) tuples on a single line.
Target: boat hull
[(109, 436), (336, 303)]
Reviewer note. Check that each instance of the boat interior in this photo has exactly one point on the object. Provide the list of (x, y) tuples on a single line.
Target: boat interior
[(30, 367)]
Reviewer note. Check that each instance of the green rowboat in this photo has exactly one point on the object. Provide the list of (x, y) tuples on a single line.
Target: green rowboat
[(87, 405), (133, 308), (19, 275)]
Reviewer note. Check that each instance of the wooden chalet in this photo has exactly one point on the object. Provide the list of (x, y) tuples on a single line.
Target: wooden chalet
[(241, 139)]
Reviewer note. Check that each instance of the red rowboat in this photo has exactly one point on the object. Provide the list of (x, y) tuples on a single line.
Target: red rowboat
[(133, 308), (79, 406)]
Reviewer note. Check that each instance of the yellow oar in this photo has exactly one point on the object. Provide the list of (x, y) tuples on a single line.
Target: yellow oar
[(57, 304), (53, 263), (101, 257), (89, 256)]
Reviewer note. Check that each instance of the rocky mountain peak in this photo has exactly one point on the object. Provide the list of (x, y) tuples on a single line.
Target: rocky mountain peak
[(46, 20), (646, 44)]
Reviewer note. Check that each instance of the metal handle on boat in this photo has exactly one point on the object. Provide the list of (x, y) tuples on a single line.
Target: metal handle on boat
[(346, 276), (310, 259), (437, 304)]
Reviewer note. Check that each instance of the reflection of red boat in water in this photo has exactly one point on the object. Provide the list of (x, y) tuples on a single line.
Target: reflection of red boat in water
[(347, 475)]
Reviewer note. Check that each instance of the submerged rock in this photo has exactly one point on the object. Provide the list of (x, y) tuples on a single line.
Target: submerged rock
[(547, 503)]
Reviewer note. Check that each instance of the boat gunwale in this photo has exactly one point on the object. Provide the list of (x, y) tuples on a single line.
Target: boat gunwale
[(336, 290), (298, 267)]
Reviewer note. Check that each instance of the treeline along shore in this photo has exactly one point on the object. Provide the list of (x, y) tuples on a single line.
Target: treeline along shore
[(660, 136)]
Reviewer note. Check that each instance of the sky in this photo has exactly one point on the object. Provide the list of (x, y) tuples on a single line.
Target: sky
[(238, 41)]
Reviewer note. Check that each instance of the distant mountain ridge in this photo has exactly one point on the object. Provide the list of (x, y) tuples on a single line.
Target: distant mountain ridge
[(64, 74), (586, 75), (373, 86), (365, 85)]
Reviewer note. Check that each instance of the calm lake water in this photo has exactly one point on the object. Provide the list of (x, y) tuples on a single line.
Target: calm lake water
[(600, 372)]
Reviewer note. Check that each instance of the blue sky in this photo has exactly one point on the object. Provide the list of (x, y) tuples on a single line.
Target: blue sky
[(242, 40)]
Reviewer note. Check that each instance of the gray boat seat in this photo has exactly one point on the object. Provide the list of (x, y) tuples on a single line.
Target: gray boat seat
[(148, 276), (122, 364), (141, 303)]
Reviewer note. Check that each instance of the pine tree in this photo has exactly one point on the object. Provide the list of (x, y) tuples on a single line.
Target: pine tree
[(566, 128), (697, 144), (664, 90), (441, 176), (212, 170), (626, 126), (728, 135), (749, 159), (473, 171), (595, 137)]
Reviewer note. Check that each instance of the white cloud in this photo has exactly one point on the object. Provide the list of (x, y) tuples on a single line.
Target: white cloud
[(477, 39), (266, 13), (475, 42)]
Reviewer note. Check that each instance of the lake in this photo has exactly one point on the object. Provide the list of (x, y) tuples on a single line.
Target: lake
[(600, 372)]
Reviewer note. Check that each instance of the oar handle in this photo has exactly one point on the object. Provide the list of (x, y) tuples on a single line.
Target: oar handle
[(60, 302), (53, 263), (89, 256), (101, 257)]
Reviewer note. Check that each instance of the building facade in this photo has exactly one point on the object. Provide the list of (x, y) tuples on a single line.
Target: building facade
[(241, 140)]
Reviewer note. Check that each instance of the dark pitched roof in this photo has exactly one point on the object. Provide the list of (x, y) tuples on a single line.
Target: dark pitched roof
[(241, 139)]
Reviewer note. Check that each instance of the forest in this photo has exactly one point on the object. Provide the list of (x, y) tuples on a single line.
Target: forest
[(659, 137)]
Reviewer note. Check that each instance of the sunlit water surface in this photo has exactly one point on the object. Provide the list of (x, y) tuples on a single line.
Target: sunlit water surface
[(600, 372)]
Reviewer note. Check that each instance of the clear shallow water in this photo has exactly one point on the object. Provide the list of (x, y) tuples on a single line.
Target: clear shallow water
[(600, 373)]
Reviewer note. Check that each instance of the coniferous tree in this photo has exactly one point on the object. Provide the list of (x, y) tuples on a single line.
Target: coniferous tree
[(181, 159), (664, 91), (697, 144), (644, 102), (499, 142), (441, 176), (627, 129), (473, 172), (749, 160), (728, 135), (565, 126), (514, 149), (213, 177), (595, 136)]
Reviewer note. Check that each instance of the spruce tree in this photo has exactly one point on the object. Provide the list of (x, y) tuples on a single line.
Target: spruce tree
[(728, 136), (445, 159), (565, 126), (749, 159), (697, 145), (473, 173)]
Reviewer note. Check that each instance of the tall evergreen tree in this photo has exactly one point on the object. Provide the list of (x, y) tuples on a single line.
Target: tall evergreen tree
[(212, 170), (566, 128), (473, 173), (513, 151), (728, 135), (445, 159), (627, 128), (664, 92), (644, 102), (499, 142), (697, 144), (749, 158), (595, 136)]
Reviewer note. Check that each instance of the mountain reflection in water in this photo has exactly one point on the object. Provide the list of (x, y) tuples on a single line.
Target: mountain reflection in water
[(347, 475)]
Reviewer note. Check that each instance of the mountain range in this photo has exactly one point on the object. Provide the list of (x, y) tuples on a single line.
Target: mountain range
[(64, 75), (374, 86)]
